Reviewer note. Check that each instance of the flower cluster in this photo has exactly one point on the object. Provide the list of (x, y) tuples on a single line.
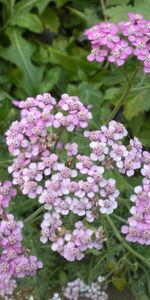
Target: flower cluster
[(138, 228), (78, 289), (6, 192), (66, 180), (70, 245), (14, 260), (106, 40), (7, 287)]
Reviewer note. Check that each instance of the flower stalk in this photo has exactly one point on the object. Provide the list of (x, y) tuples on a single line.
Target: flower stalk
[(125, 244), (123, 97)]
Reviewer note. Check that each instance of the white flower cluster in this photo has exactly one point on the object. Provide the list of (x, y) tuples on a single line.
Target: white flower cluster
[(78, 289)]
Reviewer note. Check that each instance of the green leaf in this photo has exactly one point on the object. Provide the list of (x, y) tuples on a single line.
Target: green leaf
[(93, 251), (92, 18), (142, 7), (90, 94), (26, 5), (78, 13), (144, 135), (5, 2), (41, 56), (71, 63), (109, 80), (27, 20), (119, 282), (67, 61), (114, 2), (19, 53), (63, 277), (111, 93), (136, 124), (139, 103), (60, 3), (50, 20), (124, 184), (119, 12), (42, 5), (52, 77)]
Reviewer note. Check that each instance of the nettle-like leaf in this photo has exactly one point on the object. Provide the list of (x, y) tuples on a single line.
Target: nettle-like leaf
[(119, 12), (139, 103), (144, 135), (111, 93), (19, 53)]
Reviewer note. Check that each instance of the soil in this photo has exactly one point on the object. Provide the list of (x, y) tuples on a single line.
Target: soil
[(118, 295)]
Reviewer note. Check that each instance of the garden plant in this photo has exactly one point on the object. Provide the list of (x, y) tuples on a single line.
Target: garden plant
[(74, 150)]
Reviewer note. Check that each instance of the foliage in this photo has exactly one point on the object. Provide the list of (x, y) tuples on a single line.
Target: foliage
[(43, 49)]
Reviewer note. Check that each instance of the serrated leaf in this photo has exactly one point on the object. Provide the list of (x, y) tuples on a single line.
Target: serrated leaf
[(27, 20), (111, 93), (138, 104), (50, 20), (52, 77), (144, 135), (19, 53), (142, 7), (88, 94), (136, 124), (109, 80), (119, 12), (91, 94)]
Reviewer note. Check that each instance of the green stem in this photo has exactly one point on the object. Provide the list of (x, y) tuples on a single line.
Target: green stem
[(35, 279), (104, 9), (123, 97), (36, 213), (125, 75), (120, 219), (116, 266), (140, 88), (7, 95), (128, 247)]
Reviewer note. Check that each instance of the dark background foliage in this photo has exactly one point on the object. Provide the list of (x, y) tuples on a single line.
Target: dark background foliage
[(43, 49)]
